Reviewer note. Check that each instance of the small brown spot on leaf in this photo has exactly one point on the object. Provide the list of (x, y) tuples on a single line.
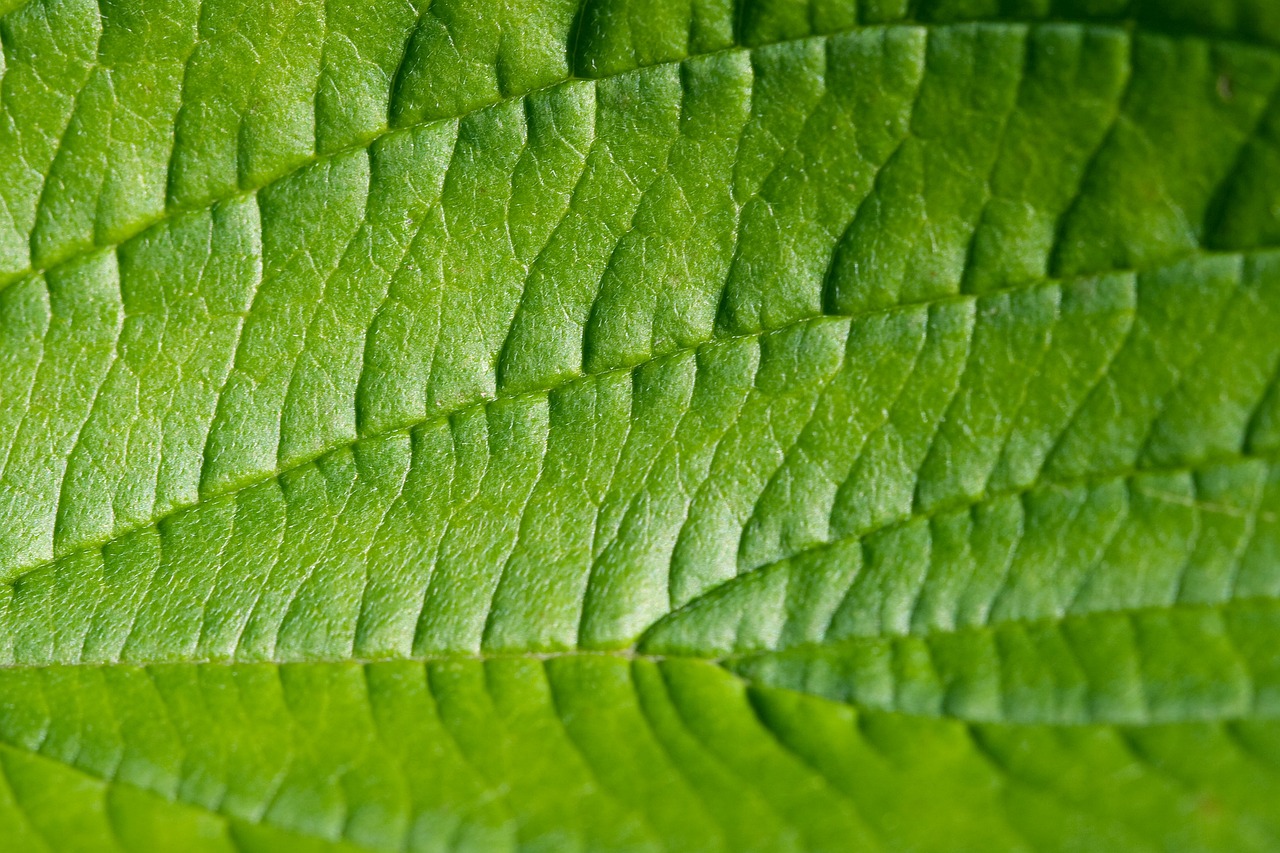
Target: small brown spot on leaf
[(1225, 91)]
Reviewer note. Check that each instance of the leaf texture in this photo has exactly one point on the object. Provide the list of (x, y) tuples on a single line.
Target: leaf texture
[(689, 425)]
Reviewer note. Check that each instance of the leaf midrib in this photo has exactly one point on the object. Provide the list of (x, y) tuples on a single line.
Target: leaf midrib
[(230, 820), (634, 652), (629, 655)]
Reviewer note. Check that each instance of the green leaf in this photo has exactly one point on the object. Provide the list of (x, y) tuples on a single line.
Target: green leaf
[(619, 425)]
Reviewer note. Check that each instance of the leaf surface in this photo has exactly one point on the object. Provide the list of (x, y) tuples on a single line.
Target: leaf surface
[(674, 425)]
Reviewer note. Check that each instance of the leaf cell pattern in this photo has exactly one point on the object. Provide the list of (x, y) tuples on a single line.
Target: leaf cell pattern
[(543, 425)]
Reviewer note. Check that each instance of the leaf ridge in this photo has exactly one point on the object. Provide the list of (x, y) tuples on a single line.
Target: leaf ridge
[(1251, 674), (811, 766), (18, 572), (1092, 479), (172, 212), (227, 819)]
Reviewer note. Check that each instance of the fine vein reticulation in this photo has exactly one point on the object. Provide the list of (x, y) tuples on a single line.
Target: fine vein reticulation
[(691, 425)]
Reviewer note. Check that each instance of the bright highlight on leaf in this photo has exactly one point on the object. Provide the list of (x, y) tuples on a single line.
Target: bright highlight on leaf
[(607, 425)]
